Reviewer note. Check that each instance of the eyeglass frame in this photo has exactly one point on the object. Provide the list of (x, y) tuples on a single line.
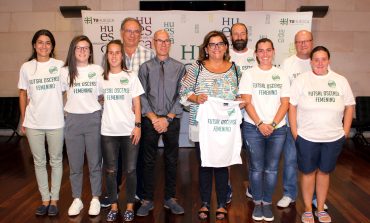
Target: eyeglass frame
[(303, 41), (219, 45)]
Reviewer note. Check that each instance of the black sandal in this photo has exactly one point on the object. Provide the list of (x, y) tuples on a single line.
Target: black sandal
[(202, 213), (221, 215)]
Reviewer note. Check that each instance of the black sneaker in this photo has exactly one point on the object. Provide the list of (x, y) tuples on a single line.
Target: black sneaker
[(42, 210), (53, 210), (104, 202)]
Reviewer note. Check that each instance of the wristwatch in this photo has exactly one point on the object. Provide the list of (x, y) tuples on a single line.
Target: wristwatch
[(273, 124), (169, 119), (138, 124)]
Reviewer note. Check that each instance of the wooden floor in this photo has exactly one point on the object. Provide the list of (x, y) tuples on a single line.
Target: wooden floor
[(348, 199)]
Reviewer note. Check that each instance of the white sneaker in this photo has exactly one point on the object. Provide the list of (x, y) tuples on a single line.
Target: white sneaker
[(285, 202), (314, 203), (94, 207), (75, 207)]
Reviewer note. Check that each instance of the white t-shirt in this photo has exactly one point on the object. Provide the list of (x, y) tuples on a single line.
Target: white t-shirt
[(294, 66), (267, 87), (119, 90), (219, 132), (320, 102), (244, 60), (82, 97), (41, 80)]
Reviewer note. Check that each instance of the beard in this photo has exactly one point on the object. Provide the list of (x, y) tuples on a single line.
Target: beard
[(239, 44)]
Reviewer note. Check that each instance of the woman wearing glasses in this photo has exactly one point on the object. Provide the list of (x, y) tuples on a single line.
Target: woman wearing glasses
[(265, 90), (41, 106), (82, 131), (213, 75)]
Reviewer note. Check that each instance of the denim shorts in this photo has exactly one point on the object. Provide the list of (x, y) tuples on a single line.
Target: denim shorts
[(318, 155)]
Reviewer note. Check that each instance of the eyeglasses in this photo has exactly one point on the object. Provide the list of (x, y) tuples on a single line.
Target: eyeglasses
[(82, 48), (219, 45), (166, 41), (303, 42), (134, 32)]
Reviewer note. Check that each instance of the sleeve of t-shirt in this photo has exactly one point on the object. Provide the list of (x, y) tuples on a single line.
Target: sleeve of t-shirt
[(99, 80), (99, 83), (285, 89), (136, 87), (23, 80), (245, 85), (295, 90), (348, 95), (64, 78)]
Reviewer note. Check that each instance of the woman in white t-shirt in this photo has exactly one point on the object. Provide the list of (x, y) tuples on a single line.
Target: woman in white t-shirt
[(121, 126), (41, 106), (83, 121), (320, 117), (265, 90)]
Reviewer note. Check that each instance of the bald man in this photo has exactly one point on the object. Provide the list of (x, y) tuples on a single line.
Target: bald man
[(161, 111), (294, 66)]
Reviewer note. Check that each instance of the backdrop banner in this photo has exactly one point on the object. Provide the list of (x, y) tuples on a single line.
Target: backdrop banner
[(188, 28)]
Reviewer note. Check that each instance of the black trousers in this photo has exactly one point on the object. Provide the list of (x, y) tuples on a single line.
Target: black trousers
[(149, 146), (205, 181)]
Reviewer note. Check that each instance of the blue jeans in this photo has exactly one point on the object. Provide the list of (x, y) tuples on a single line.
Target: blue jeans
[(264, 159), (290, 166)]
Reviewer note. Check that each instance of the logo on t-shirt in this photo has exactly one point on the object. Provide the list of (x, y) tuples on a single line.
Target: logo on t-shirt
[(231, 111), (250, 59), (275, 77), (124, 81), (91, 75), (53, 70), (332, 84)]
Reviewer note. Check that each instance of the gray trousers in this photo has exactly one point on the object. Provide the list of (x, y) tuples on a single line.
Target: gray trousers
[(82, 134), (36, 139)]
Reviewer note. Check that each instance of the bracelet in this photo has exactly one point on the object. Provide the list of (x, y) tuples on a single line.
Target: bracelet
[(259, 123), (138, 124)]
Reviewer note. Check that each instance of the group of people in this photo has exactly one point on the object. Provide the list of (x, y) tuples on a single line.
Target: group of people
[(116, 113)]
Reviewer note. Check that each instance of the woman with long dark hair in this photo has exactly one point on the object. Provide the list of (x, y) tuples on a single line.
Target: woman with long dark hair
[(41, 106), (83, 121), (121, 127)]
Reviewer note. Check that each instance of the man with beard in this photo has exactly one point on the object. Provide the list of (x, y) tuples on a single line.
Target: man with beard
[(244, 58), (239, 53)]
